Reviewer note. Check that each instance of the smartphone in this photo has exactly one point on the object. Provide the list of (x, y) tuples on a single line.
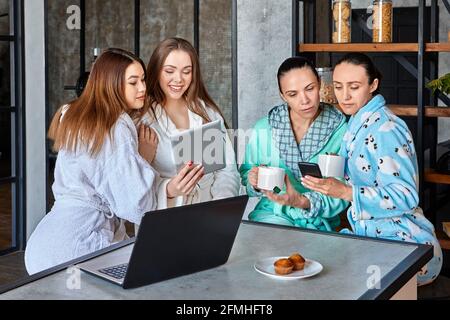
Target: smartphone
[(310, 169)]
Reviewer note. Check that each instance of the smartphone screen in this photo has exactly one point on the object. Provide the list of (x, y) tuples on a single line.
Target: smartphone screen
[(310, 169)]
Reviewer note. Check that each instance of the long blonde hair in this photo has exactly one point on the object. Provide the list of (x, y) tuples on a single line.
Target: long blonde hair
[(90, 118), (194, 94)]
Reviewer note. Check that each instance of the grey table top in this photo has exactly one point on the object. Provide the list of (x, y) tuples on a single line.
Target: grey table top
[(348, 263)]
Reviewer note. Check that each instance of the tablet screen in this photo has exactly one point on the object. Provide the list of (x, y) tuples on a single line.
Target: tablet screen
[(203, 145)]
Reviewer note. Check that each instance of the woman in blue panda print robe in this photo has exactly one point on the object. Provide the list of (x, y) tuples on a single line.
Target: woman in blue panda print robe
[(381, 167)]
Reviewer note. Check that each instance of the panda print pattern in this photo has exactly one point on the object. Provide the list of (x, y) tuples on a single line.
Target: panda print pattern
[(372, 146), (383, 172), (362, 164), (389, 166), (404, 151), (387, 126)]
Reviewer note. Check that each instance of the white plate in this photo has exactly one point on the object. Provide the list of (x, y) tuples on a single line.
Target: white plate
[(265, 266)]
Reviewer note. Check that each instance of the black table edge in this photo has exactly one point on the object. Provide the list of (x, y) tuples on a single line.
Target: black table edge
[(390, 283)]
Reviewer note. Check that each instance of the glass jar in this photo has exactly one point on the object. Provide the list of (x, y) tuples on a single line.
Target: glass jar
[(326, 85), (382, 21), (342, 17)]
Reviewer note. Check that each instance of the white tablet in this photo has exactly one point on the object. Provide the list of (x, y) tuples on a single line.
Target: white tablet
[(203, 145)]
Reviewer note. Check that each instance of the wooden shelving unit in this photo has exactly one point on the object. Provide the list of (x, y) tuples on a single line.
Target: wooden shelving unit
[(437, 47), (444, 240), (372, 47), (411, 111), (435, 177), (358, 47)]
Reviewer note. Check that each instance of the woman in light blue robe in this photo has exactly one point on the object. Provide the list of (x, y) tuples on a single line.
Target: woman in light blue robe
[(381, 169), (102, 173)]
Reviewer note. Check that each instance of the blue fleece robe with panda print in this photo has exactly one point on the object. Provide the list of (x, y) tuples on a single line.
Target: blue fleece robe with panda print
[(382, 168)]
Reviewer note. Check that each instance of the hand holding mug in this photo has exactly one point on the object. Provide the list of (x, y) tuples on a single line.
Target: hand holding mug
[(253, 177)]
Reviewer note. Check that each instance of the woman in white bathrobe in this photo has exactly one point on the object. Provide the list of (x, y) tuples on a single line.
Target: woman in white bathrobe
[(102, 173), (179, 101)]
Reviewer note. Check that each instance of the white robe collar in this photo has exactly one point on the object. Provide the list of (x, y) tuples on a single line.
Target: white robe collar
[(167, 124)]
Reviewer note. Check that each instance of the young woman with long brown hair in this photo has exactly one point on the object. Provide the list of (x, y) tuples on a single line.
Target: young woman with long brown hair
[(102, 173), (179, 101)]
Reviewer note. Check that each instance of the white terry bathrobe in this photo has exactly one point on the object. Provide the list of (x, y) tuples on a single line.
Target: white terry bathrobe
[(92, 197), (213, 186)]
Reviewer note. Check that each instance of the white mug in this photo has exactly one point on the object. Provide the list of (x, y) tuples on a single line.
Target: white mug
[(270, 177), (332, 165)]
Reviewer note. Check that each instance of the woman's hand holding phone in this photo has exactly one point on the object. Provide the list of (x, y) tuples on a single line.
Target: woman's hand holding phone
[(330, 187)]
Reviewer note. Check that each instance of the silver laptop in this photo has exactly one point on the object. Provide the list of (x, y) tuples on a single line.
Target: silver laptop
[(173, 242), (204, 145)]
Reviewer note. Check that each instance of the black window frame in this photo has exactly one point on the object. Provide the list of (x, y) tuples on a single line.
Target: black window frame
[(17, 110)]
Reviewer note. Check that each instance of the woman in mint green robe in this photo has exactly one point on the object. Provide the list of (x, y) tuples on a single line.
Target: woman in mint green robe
[(296, 131)]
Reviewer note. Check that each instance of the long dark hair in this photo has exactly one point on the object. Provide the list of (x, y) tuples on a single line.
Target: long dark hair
[(360, 59), (295, 63)]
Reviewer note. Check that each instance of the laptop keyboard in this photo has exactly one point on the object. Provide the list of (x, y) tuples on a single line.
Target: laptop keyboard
[(117, 272)]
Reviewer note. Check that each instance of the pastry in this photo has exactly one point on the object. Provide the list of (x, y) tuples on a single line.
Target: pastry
[(298, 261), (283, 266)]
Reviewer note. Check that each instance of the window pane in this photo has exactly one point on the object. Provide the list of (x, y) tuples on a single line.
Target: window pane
[(5, 74), (5, 216), (4, 17), (5, 143), (215, 52), (6, 117), (63, 48), (108, 24), (164, 19)]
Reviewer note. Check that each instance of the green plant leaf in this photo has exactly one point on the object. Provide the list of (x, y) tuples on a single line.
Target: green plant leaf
[(442, 84)]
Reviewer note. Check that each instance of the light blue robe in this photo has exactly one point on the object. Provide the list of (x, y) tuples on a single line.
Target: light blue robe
[(92, 196), (382, 168)]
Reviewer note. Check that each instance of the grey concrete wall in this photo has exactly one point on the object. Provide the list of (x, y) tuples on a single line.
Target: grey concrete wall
[(109, 24), (264, 41), (34, 28), (164, 19)]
